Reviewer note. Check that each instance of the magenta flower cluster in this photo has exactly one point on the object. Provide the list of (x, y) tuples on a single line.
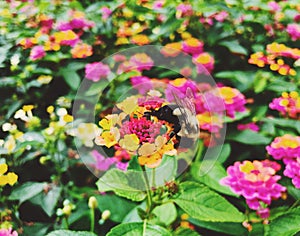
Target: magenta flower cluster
[(256, 182), (8, 232), (287, 149)]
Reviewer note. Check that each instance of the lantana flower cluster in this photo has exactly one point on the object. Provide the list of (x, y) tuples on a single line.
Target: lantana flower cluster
[(52, 36), (204, 61), (276, 53), (287, 149), (133, 131), (211, 103), (288, 105), (256, 181), (8, 178), (8, 232)]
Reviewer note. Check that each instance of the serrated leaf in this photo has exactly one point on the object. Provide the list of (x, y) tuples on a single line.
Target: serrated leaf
[(165, 172), (36, 229), (229, 228), (166, 214), (249, 137), (234, 47), (185, 232), (70, 233), (225, 152), (134, 229), (212, 177), (47, 201), (27, 191), (287, 224), (119, 207), (201, 203), (71, 77), (96, 88), (284, 123), (243, 80), (129, 184), (133, 215)]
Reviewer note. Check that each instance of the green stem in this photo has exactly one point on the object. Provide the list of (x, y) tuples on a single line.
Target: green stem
[(153, 177), (149, 197), (92, 220), (144, 227), (295, 204), (67, 222)]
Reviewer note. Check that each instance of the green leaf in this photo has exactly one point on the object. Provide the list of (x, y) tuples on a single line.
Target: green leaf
[(125, 76), (229, 228), (165, 172), (96, 88), (243, 80), (260, 84), (27, 191), (185, 232), (129, 184), (71, 77), (119, 207), (134, 229), (234, 47), (201, 203), (70, 233), (36, 229), (133, 215), (211, 177), (249, 137), (166, 214), (286, 224), (47, 201), (283, 123), (134, 164), (281, 86), (225, 152), (12, 108)]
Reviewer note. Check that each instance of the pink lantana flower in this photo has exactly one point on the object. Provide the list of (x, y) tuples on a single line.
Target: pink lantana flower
[(274, 6), (37, 52), (142, 83), (292, 170), (8, 232), (102, 163), (141, 61), (256, 182), (106, 12), (96, 70), (288, 104), (234, 100), (204, 63), (287, 149), (294, 31), (192, 46), (252, 126), (184, 10), (286, 146)]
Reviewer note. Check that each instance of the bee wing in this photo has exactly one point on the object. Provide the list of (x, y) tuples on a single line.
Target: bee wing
[(186, 110)]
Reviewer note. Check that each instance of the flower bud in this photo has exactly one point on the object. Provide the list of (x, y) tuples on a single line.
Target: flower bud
[(93, 202), (105, 215), (67, 210)]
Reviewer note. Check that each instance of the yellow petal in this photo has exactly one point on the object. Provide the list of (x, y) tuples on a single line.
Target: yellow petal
[(147, 149), (3, 168), (3, 180), (12, 178)]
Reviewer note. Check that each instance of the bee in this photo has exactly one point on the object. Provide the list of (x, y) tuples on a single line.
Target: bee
[(182, 116)]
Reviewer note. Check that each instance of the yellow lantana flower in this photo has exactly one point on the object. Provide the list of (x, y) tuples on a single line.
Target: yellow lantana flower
[(10, 178)]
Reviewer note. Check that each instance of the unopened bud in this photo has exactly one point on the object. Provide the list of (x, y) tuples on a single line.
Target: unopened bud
[(93, 202), (67, 210), (105, 215)]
